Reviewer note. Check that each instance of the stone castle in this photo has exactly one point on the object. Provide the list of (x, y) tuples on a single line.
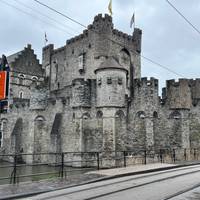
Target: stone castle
[(88, 96)]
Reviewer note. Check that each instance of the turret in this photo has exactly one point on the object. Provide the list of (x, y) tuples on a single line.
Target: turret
[(47, 51), (137, 37), (111, 84), (146, 94), (195, 89), (178, 94), (102, 29)]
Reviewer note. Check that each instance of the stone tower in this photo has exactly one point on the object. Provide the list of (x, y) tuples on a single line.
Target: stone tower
[(111, 92)]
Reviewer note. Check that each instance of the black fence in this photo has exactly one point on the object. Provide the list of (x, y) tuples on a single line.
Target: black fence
[(15, 168)]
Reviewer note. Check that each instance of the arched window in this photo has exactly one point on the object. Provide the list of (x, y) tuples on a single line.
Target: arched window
[(73, 116), (86, 116), (21, 95), (39, 121), (141, 114), (119, 114), (175, 115), (21, 78), (99, 114), (34, 78), (39, 118), (155, 114), (124, 57), (81, 62)]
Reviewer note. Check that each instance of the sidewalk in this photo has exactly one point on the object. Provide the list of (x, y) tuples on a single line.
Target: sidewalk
[(130, 169), (28, 188)]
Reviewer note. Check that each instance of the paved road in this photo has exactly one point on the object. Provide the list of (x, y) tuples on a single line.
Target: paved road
[(171, 184)]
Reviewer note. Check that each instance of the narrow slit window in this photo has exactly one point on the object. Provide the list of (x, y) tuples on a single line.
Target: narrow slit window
[(109, 80)]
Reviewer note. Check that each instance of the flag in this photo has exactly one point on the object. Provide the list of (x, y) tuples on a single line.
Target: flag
[(110, 7), (132, 20), (46, 40), (3, 77)]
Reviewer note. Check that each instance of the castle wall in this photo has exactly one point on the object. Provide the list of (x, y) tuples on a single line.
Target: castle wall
[(194, 126), (82, 105), (143, 108)]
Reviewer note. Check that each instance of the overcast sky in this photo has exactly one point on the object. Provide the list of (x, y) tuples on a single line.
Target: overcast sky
[(167, 38)]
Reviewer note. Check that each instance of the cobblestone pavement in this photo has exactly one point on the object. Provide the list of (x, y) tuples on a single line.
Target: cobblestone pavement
[(45, 185)]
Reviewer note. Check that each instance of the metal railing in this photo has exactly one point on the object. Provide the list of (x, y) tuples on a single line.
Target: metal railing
[(67, 164)]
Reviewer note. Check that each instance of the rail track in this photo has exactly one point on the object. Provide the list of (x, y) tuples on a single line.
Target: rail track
[(173, 196), (108, 188)]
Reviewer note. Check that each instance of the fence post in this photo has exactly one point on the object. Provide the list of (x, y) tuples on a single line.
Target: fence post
[(124, 158), (185, 154), (62, 164), (145, 156), (14, 172), (98, 161), (161, 156), (174, 155), (194, 154)]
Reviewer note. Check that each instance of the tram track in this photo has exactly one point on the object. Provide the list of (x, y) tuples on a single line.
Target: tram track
[(182, 192), (144, 184), (132, 185)]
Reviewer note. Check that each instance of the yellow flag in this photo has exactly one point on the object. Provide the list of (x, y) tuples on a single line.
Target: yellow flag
[(110, 7)]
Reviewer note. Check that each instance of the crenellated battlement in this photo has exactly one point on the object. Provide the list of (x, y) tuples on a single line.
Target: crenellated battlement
[(137, 32), (98, 20), (48, 47), (121, 34), (102, 24), (78, 38), (178, 83), (47, 51), (100, 17), (145, 82), (80, 81), (178, 94), (137, 37), (59, 50)]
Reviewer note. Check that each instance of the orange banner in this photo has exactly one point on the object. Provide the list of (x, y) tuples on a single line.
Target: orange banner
[(3, 76)]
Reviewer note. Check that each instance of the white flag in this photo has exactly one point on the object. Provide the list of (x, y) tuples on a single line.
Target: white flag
[(132, 20)]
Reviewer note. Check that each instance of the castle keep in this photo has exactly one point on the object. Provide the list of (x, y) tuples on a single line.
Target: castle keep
[(89, 96)]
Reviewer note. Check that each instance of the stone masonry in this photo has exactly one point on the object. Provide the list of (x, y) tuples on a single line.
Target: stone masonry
[(89, 96)]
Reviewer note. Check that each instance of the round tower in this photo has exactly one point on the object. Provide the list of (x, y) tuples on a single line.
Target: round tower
[(111, 84)]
